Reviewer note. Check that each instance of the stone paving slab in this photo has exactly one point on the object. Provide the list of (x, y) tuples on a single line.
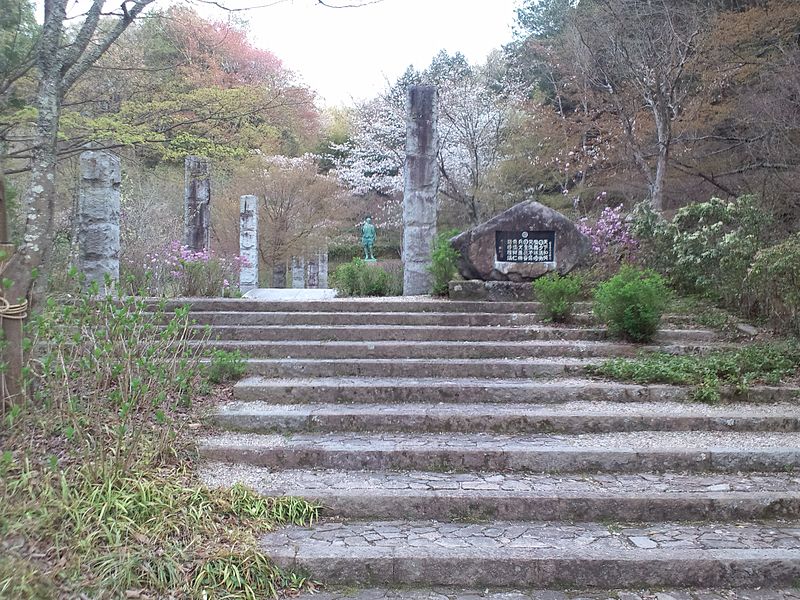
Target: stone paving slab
[(510, 496), (438, 332), (633, 594), (439, 349), (571, 417), (477, 390), (618, 452), (542, 554), (418, 368)]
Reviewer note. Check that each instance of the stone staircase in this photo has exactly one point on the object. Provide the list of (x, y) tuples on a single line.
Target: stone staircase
[(462, 444)]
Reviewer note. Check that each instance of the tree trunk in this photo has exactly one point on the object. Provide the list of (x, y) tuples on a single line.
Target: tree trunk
[(39, 203), (664, 135)]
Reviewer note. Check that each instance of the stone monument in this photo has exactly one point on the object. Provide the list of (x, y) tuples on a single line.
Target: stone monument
[(248, 242), (197, 203), (420, 190), (298, 273), (517, 246), (98, 218), (322, 261)]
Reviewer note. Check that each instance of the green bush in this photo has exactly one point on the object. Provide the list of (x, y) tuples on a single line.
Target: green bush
[(772, 286), (707, 248), (357, 278), (444, 263), (226, 366), (558, 295), (631, 303)]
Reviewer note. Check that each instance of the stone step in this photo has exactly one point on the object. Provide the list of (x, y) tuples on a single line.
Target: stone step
[(292, 368), (455, 593), (461, 452), (396, 350), (355, 305), (473, 390), (419, 319), (541, 554), (434, 333), (520, 497), (572, 417)]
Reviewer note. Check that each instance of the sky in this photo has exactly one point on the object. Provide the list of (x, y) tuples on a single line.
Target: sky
[(349, 54)]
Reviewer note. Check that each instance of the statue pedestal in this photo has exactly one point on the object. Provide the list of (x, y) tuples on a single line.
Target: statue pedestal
[(370, 260)]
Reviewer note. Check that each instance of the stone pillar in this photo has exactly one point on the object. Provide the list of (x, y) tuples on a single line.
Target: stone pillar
[(248, 242), (322, 262), (420, 191), (298, 272), (279, 275), (197, 203), (312, 271), (98, 218)]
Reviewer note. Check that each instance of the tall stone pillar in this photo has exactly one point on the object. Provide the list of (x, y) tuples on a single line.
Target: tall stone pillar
[(420, 191), (312, 271), (298, 272), (279, 275), (197, 203), (248, 242), (98, 218), (322, 261)]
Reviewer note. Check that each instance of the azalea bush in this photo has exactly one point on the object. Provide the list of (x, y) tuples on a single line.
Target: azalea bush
[(612, 238), (178, 270)]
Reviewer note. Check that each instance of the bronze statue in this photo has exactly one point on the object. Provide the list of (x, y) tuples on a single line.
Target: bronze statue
[(368, 238)]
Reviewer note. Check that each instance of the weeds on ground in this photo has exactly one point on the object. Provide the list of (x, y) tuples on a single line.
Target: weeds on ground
[(767, 363), (145, 530), (98, 498)]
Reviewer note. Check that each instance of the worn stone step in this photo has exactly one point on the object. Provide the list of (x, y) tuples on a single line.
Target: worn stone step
[(292, 368), (354, 305), (474, 390), (445, 319), (523, 497), (395, 349), (637, 593), (346, 333), (572, 417), (618, 452), (541, 554)]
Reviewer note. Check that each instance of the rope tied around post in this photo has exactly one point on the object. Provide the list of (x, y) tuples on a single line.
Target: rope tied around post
[(17, 312)]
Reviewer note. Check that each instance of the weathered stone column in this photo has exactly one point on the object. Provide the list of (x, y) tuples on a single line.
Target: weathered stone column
[(248, 242), (298, 272), (322, 261), (197, 203), (279, 275), (421, 186), (312, 271), (98, 218)]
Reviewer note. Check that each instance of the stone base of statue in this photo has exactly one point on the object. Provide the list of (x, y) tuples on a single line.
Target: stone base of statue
[(370, 260)]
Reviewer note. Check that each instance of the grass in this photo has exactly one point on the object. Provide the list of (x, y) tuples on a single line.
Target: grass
[(155, 531), (703, 313), (766, 363)]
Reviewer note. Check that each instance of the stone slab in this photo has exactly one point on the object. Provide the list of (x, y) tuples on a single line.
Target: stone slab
[(450, 593), (618, 452), (289, 295), (541, 554), (472, 390), (350, 333), (491, 496), (446, 349), (491, 291), (572, 417)]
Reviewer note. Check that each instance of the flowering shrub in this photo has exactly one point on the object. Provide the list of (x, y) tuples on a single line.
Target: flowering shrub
[(708, 247), (613, 242), (179, 271)]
